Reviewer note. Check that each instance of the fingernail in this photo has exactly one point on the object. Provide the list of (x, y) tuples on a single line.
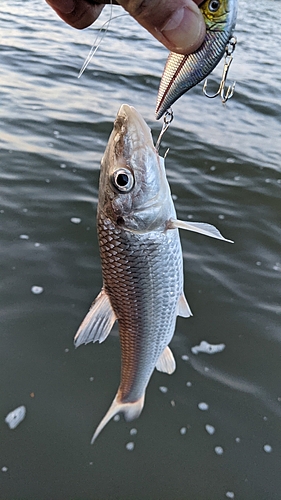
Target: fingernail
[(185, 29), (64, 6)]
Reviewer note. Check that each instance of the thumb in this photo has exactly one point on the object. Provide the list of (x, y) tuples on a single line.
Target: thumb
[(177, 24)]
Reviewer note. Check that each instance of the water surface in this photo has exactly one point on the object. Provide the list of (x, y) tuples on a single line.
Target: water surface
[(224, 168)]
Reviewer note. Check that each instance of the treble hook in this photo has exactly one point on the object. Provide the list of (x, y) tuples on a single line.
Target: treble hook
[(228, 58), (168, 118)]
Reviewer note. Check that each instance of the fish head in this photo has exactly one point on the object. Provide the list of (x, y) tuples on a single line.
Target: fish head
[(134, 192), (219, 15)]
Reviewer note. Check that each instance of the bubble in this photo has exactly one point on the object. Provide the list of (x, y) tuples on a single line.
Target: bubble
[(213, 168), (221, 216), (174, 197), (66, 350), (218, 450), (230, 160), (237, 178), (258, 263), (56, 133), (62, 165), (133, 432), (75, 220), (37, 245), (116, 418), (130, 446), (183, 431), (267, 448), (4, 469), (210, 429), (188, 384), (238, 440), (24, 237), (163, 389), (91, 380), (203, 406), (37, 289)]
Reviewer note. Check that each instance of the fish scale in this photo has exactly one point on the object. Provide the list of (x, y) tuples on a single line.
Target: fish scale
[(144, 304)]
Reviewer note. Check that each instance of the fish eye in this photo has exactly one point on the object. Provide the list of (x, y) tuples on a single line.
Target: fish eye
[(214, 5), (123, 180)]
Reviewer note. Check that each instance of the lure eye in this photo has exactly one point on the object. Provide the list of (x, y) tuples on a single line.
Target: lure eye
[(214, 5), (123, 180)]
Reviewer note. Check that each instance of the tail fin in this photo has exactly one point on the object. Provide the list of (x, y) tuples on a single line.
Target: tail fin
[(130, 410)]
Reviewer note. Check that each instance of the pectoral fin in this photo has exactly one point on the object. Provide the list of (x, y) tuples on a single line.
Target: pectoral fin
[(166, 362), (183, 308), (98, 323), (198, 227)]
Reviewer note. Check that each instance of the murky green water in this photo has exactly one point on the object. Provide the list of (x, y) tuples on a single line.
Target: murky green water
[(224, 168)]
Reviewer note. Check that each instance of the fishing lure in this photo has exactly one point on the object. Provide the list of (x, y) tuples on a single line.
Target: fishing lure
[(182, 72)]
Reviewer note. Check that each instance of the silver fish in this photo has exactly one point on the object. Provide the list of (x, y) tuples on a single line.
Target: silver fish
[(141, 260), (182, 72)]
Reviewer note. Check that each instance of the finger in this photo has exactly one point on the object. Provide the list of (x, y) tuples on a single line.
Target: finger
[(78, 13), (177, 24)]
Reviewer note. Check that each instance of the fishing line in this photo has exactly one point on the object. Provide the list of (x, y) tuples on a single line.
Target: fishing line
[(98, 40)]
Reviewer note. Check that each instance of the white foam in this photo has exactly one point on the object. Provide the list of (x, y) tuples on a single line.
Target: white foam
[(37, 289), (218, 450), (15, 417), (210, 429), (267, 448), (203, 406), (75, 220), (130, 446), (229, 494), (185, 357), (207, 348)]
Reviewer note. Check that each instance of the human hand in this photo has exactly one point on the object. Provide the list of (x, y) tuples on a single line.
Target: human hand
[(177, 24)]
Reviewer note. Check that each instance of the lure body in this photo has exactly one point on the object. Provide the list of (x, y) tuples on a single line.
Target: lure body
[(182, 72)]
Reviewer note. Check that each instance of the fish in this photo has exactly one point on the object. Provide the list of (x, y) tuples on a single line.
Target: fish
[(182, 72), (141, 259)]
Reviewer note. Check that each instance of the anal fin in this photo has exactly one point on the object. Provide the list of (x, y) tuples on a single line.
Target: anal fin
[(183, 308), (98, 323), (166, 362)]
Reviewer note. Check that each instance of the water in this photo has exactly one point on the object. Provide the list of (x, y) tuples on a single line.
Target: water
[(224, 168)]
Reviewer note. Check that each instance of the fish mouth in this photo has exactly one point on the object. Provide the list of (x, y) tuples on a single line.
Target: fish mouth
[(129, 122)]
